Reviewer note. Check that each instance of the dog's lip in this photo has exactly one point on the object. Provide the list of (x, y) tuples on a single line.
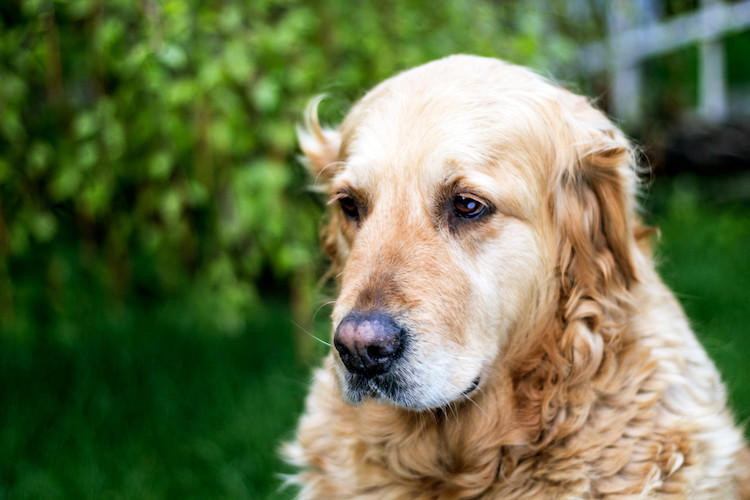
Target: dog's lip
[(474, 385)]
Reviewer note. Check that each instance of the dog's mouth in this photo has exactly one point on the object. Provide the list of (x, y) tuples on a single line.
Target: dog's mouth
[(388, 387), (473, 387), (393, 389)]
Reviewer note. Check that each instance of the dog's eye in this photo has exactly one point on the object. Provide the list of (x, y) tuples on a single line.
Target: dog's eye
[(349, 207), (468, 207)]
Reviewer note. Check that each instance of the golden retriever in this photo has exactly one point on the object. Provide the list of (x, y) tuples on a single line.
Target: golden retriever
[(500, 330)]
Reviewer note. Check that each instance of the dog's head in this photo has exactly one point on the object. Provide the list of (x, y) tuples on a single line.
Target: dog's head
[(471, 203)]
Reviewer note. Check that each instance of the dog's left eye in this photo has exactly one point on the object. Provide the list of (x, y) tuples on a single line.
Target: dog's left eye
[(349, 207), (468, 207)]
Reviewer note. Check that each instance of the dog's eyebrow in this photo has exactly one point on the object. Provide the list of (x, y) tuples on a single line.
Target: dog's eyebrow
[(344, 190), (339, 195)]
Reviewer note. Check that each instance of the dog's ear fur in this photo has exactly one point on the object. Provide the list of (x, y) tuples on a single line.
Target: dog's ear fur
[(593, 200), (319, 144), (591, 197)]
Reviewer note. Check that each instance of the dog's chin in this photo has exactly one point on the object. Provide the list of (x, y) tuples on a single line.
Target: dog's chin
[(392, 390)]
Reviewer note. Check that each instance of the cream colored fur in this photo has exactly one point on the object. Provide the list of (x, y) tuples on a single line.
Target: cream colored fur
[(591, 382)]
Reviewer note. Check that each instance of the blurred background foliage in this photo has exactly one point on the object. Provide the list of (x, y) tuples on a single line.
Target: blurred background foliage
[(158, 243), (148, 148)]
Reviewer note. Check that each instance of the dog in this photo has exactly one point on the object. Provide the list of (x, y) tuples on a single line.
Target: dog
[(500, 330)]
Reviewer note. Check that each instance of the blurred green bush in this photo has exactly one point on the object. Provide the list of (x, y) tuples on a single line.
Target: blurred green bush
[(147, 149)]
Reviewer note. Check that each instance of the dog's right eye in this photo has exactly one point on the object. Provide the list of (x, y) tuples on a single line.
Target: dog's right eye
[(349, 207), (468, 207)]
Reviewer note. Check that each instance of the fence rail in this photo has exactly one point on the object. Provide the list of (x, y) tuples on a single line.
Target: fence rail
[(635, 35)]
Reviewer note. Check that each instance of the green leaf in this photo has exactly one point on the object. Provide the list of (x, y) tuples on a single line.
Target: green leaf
[(88, 155), (114, 139), (160, 165), (171, 206), (85, 125), (173, 56), (96, 197), (11, 126), (266, 94), (43, 226), (19, 239), (237, 62), (198, 193), (79, 9), (65, 183), (39, 157)]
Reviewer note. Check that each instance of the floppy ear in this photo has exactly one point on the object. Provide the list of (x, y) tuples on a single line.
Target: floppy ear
[(319, 144), (593, 205), (591, 198)]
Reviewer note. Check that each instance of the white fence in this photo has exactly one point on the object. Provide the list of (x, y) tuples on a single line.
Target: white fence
[(635, 34)]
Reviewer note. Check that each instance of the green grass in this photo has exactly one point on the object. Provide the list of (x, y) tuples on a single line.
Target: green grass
[(704, 256), (145, 408), (143, 404)]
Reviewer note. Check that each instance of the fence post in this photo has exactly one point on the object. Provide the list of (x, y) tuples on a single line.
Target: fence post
[(712, 93), (625, 77), (625, 69)]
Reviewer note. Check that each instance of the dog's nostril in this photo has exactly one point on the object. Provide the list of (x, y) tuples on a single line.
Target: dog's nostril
[(368, 343), (376, 351)]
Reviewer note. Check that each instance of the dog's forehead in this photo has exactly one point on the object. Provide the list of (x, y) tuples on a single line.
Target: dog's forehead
[(417, 133)]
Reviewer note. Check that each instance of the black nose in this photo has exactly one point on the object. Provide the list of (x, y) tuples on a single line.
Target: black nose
[(368, 343)]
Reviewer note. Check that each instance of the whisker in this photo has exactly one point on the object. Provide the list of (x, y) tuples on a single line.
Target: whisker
[(434, 418), (452, 411), (454, 404), (476, 404), (309, 333), (322, 306)]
